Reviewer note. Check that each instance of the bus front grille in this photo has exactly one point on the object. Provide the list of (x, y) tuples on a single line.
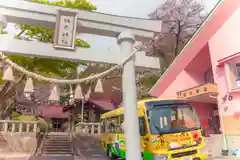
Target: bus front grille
[(182, 154)]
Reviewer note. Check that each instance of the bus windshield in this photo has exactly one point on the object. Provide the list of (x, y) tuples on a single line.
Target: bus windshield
[(172, 118)]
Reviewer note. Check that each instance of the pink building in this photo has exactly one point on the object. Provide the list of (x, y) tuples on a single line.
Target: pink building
[(207, 73)]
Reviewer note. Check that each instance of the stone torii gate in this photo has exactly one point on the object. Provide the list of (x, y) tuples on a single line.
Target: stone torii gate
[(127, 29)]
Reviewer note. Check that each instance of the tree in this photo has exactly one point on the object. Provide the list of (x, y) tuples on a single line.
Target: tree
[(59, 68), (43, 66), (180, 19)]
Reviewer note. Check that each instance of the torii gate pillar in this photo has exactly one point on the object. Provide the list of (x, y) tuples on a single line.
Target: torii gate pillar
[(131, 132)]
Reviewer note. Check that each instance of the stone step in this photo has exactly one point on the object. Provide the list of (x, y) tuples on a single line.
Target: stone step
[(58, 150), (57, 142), (48, 155), (56, 139), (52, 152), (58, 136), (57, 146), (61, 139)]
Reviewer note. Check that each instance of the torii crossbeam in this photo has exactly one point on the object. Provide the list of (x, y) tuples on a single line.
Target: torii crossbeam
[(25, 12)]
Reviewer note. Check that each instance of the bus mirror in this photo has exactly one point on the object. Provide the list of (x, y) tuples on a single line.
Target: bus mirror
[(123, 126)]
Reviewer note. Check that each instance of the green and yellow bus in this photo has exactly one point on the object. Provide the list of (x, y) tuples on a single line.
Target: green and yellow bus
[(169, 130)]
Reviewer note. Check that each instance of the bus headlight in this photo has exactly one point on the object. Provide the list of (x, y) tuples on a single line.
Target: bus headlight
[(159, 157), (199, 140)]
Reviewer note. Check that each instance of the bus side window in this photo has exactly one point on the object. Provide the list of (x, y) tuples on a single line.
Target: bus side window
[(111, 125), (142, 126), (103, 126), (116, 124), (121, 121), (108, 125)]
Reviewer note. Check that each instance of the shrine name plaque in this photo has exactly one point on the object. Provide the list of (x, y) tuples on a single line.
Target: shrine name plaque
[(65, 30)]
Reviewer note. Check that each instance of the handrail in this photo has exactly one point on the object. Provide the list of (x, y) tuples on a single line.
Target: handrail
[(72, 138), (73, 143), (42, 141)]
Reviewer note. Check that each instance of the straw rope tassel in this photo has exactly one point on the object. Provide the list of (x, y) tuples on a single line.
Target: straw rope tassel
[(54, 95), (29, 87), (2, 64), (87, 95), (78, 95), (71, 97), (8, 74), (99, 86)]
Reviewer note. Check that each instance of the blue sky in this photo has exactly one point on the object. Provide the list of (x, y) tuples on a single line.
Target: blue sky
[(132, 8)]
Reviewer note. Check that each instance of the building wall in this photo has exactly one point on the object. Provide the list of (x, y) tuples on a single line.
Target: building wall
[(199, 65), (224, 43), (204, 112), (192, 76), (179, 84)]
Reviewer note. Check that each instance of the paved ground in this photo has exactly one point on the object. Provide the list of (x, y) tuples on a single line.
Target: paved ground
[(86, 156), (87, 149)]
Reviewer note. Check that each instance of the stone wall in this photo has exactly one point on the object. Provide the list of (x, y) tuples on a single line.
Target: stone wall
[(18, 142)]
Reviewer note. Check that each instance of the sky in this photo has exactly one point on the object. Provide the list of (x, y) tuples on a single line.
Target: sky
[(132, 8), (128, 8)]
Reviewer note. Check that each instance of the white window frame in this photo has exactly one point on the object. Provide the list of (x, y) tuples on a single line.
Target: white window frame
[(232, 73)]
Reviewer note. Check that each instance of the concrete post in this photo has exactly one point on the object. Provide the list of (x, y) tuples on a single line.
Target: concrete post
[(133, 148), (3, 23)]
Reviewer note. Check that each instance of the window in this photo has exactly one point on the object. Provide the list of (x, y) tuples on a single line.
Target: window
[(121, 121), (103, 126), (173, 119), (232, 73), (238, 75), (142, 126), (113, 124), (208, 76)]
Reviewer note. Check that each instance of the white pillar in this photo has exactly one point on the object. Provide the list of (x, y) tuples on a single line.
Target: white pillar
[(3, 22), (132, 136)]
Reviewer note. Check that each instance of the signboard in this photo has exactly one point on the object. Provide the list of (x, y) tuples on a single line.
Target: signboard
[(49, 111), (65, 30)]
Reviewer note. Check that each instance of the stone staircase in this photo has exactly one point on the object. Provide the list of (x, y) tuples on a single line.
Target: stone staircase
[(56, 143)]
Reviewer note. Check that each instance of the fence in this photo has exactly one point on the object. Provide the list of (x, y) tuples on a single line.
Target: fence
[(88, 128), (18, 126)]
